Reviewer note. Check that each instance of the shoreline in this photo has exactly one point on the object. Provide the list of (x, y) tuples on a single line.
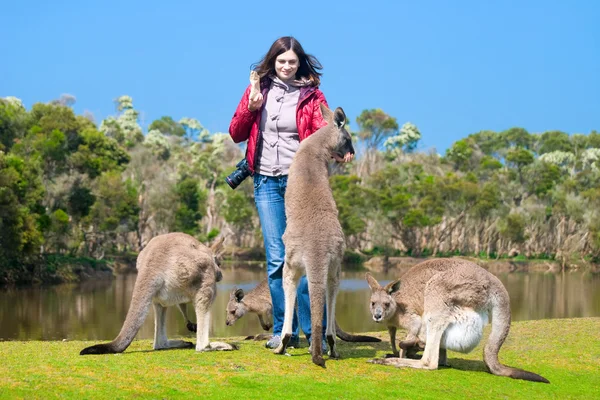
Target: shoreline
[(53, 269)]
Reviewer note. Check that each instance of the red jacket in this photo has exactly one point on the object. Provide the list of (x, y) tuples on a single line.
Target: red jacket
[(245, 124)]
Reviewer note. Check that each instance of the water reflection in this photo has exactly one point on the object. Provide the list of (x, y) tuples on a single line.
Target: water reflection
[(96, 310)]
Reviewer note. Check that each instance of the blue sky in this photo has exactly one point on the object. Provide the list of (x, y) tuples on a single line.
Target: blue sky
[(451, 68)]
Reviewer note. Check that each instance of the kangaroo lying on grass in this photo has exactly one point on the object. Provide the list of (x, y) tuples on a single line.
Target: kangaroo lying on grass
[(444, 304), (258, 301), (314, 240), (173, 269)]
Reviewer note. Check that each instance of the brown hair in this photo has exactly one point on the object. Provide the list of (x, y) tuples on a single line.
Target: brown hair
[(309, 65)]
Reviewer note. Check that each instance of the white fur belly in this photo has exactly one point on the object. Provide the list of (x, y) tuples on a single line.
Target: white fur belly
[(168, 298), (465, 333)]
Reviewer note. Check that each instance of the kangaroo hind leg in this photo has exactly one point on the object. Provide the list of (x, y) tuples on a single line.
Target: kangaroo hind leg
[(333, 282), (160, 332), (291, 277), (317, 288), (431, 354)]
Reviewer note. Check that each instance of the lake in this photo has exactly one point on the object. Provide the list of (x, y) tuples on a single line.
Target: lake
[(95, 310)]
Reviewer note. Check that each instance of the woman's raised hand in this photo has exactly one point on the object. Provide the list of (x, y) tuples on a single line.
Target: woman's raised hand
[(255, 102)]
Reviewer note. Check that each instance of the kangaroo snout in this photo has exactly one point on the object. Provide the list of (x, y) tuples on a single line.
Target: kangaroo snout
[(377, 316)]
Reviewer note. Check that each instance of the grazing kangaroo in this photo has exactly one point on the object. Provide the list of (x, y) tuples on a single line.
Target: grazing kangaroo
[(258, 301), (444, 304), (173, 269), (314, 240)]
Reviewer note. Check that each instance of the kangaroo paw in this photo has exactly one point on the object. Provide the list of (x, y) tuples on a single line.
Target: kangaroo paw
[(332, 347), (318, 360), (222, 346), (380, 361), (175, 344), (283, 345), (192, 327)]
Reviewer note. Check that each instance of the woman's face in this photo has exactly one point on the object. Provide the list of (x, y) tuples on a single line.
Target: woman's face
[(286, 65)]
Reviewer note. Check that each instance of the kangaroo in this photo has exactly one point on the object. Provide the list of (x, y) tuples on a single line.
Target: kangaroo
[(258, 301), (314, 240), (444, 304), (173, 269)]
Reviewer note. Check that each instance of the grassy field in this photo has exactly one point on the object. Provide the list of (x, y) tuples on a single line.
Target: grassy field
[(565, 351)]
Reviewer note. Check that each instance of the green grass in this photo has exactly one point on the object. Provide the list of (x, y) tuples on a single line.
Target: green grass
[(565, 351)]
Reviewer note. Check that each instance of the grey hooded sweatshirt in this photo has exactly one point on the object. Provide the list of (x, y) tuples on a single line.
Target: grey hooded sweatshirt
[(279, 129)]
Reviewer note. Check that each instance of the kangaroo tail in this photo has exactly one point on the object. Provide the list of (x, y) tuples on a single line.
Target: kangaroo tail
[(138, 311), (500, 311), (348, 337)]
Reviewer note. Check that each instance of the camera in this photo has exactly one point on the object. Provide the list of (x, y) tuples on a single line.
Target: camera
[(236, 177)]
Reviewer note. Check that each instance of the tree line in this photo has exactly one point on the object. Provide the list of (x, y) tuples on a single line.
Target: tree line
[(73, 187)]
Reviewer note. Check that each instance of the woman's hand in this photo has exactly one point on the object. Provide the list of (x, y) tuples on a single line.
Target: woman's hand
[(255, 102), (348, 157)]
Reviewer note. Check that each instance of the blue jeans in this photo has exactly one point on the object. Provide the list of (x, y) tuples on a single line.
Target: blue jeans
[(269, 194)]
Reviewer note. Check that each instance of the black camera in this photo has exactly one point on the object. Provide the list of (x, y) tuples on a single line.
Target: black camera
[(236, 177)]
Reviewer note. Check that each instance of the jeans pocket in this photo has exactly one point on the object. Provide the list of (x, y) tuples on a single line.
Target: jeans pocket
[(259, 180)]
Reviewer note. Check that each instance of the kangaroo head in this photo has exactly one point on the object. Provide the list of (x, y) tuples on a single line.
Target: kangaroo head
[(383, 305), (235, 307), (340, 142)]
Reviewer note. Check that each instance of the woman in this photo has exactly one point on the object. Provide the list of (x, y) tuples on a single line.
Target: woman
[(283, 113)]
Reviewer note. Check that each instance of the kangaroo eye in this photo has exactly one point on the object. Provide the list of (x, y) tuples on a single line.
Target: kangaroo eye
[(372, 304), (386, 304)]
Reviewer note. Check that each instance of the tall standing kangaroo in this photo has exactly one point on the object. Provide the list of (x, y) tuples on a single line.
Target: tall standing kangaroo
[(444, 304), (173, 269), (258, 301), (314, 240)]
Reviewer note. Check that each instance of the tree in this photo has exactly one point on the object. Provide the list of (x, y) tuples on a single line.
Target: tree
[(21, 193), (517, 137), (239, 213), (191, 201), (125, 128), (542, 178), (554, 141), (513, 228), (167, 126), (56, 117), (158, 143), (488, 142), (98, 153), (351, 203), (13, 122), (114, 214), (407, 139), (194, 131), (375, 126), (519, 158), (460, 155)]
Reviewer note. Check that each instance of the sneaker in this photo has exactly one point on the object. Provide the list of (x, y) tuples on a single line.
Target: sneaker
[(274, 342)]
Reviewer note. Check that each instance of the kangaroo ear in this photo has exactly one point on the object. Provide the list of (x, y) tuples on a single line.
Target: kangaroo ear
[(326, 112), (339, 117), (392, 286), (217, 245), (372, 282), (239, 295)]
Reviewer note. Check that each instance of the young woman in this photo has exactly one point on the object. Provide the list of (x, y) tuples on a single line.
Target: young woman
[(273, 122)]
